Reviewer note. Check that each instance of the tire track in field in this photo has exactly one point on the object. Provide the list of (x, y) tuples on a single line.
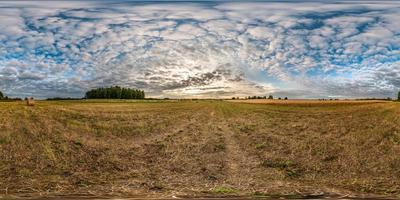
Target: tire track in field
[(239, 163)]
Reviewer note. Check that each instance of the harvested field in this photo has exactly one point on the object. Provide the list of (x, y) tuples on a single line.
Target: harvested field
[(200, 148), (306, 102)]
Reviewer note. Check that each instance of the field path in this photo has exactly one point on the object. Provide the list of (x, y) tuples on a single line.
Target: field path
[(238, 163), (234, 157)]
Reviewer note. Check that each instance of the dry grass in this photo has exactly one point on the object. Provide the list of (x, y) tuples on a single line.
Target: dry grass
[(307, 102), (199, 148)]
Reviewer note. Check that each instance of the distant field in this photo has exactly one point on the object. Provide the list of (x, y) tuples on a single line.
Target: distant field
[(306, 102), (200, 148)]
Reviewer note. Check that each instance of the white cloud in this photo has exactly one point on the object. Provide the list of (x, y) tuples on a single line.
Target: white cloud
[(181, 48)]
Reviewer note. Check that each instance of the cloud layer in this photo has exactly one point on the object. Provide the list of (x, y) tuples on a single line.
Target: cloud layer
[(201, 49)]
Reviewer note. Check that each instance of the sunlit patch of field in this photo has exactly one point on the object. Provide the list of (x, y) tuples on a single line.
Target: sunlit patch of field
[(200, 148)]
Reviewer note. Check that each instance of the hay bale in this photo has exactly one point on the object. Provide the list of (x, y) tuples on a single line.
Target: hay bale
[(30, 102)]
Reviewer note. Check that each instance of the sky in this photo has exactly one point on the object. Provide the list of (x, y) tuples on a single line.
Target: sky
[(201, 49)]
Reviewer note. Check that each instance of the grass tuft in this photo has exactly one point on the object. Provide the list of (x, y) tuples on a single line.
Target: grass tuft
[(224, 190)]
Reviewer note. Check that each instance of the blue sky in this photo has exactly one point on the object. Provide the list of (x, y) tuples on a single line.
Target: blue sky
[(299, 49)]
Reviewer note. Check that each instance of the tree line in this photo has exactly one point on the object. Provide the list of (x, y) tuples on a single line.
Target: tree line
[(260, 97), (6, 98), (115, 92), (271, 97)]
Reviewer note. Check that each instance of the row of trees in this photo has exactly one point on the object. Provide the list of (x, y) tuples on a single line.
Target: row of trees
[(271, 97), (115, 92), (260, 97), (2, 97)]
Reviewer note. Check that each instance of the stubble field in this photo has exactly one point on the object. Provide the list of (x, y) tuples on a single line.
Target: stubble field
[(199, 148)]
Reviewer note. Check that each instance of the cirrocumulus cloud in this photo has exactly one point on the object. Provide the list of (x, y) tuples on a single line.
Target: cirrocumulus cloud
[(201, 49)]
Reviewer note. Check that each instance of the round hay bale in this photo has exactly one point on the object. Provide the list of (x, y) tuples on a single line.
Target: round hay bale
[(30, 102)]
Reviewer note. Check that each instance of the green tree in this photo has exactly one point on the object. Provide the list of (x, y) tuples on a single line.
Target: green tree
[(118, 91), (270, 97), (1, 95), (398, 96), (130, 94), (115, 92), (124, 93)]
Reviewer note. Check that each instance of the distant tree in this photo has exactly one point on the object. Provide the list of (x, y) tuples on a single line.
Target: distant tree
[(270, 97), (1, 95), (286, 98), (142, 95), (62, 98), (233, 98), (130, 94), (398, 96), (115, 92), (279, 98)]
